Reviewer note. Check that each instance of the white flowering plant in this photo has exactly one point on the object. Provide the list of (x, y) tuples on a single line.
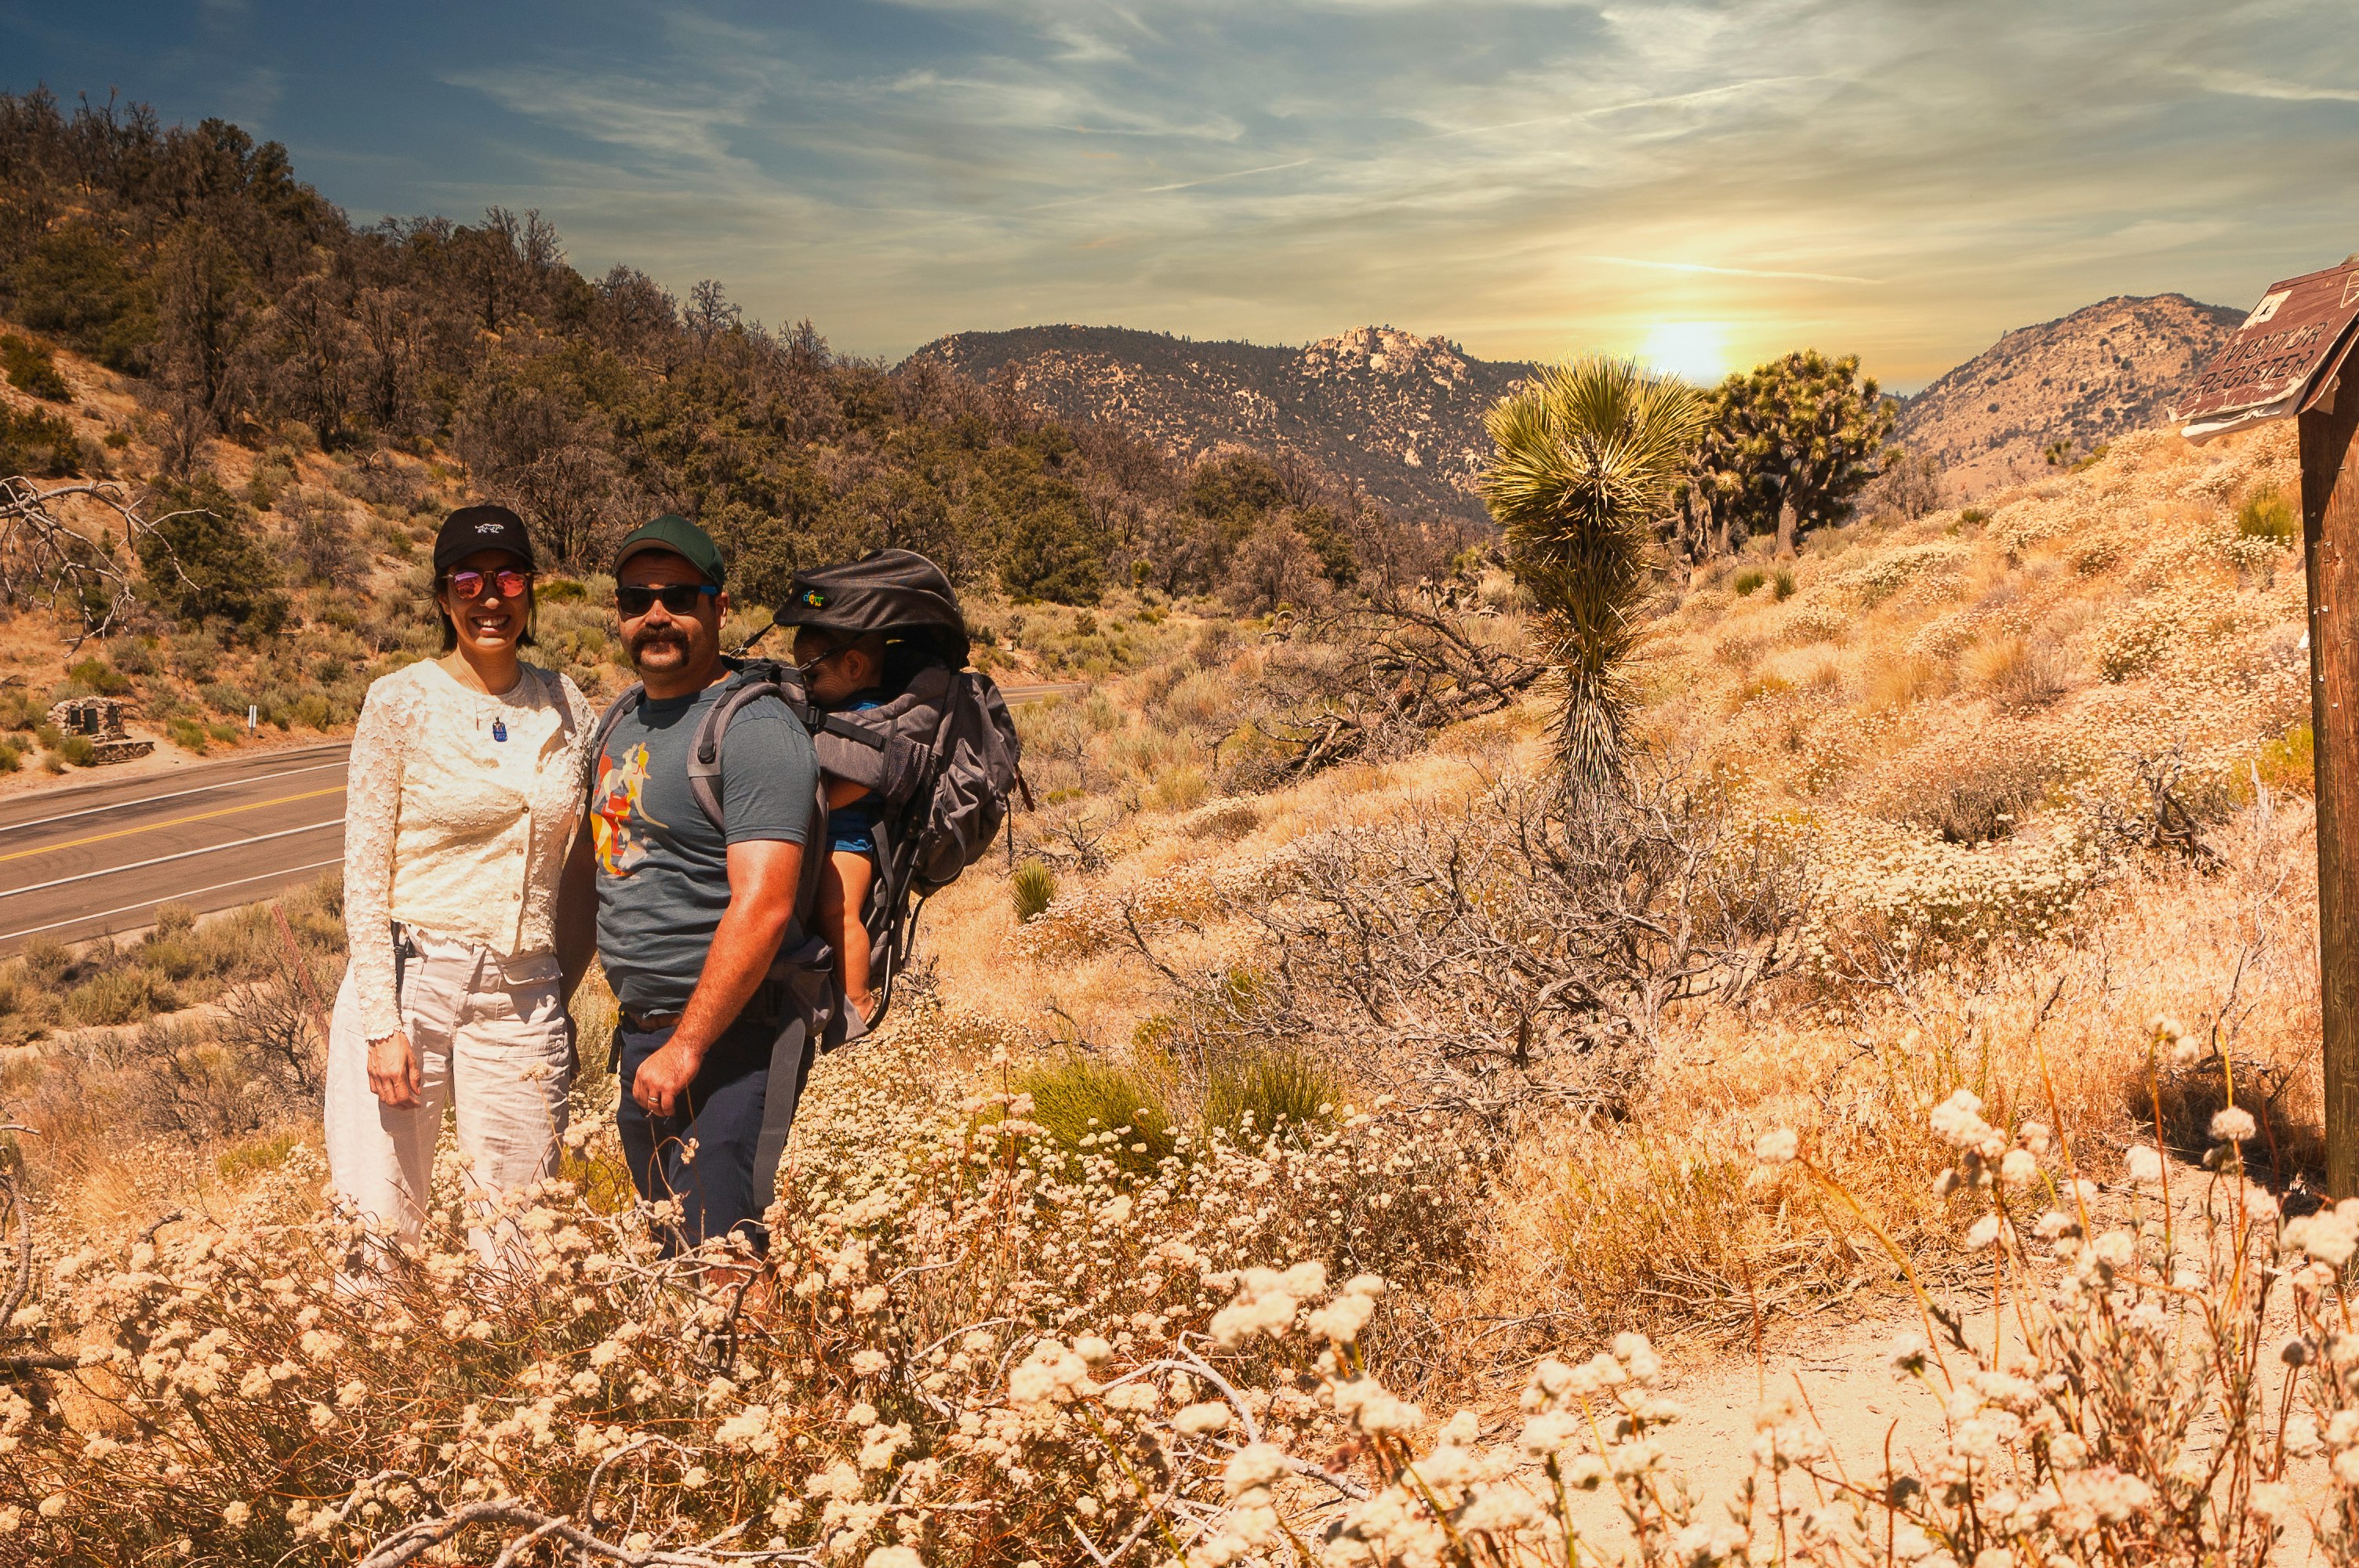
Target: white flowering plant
[(268, 1385)]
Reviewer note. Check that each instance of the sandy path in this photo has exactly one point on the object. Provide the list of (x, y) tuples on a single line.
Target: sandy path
[(1840, 1368)]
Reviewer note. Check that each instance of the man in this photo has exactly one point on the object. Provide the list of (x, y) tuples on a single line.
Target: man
[(691, 913)]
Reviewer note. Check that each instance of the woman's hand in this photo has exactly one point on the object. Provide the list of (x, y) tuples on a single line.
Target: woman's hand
[(393, 1071)]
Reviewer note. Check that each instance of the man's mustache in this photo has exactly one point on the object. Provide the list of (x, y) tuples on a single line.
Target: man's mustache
[(664, 637)]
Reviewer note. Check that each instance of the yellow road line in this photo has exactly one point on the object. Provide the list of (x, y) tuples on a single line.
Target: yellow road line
[(172, 822)]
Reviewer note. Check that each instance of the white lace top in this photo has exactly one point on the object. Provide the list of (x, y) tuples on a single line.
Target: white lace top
[(459, 811)]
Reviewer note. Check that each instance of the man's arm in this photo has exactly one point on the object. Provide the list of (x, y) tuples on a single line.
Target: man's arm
[(577, 909), (764, 876)]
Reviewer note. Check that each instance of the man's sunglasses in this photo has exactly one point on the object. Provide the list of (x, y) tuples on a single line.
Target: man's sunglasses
[(679, 598), (508, 580)]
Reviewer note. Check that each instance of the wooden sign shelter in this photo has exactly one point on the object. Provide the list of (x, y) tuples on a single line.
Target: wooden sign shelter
[(2288, 361)]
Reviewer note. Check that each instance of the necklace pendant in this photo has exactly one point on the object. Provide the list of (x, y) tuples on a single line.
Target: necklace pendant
[(499, 729)]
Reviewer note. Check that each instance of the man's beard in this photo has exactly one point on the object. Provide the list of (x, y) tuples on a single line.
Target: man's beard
[(654, 639)]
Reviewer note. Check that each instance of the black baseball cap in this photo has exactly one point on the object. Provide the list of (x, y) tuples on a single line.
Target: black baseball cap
[(482, 527), (683, 538)]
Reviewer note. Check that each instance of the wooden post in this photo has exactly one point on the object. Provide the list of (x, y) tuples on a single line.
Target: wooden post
[(2330, 526)]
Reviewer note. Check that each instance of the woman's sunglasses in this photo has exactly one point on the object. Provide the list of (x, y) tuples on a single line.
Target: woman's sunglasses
[(679, 598), (508, 580)]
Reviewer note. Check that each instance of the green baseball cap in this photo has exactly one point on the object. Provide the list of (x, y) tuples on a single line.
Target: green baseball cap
[(683, 538)]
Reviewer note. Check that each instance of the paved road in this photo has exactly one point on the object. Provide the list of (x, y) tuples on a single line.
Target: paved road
[(94, 858), (101, 857)]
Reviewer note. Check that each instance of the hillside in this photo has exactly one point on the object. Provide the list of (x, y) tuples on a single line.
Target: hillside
[(1030, 1198), (1400, 414), (2103, 371)]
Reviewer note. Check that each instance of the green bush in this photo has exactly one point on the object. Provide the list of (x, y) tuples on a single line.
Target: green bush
[(1781, 585), (2290, 761), (79, 750), (186, 733), (79, 283), (11, 757), (2269, 516), (37, 445), (221, 568), (1052, 556), (98, 676), (119, 996), (32, 370), (1746, 581), (1034, 888), (1078, 1097), (1280, 1089)]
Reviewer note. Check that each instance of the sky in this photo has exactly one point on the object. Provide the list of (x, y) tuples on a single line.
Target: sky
[(1701, 185)]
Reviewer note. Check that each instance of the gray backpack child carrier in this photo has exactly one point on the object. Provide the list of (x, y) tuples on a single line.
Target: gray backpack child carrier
[(941, 757)]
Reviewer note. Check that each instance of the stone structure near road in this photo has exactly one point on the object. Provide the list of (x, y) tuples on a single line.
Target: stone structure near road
[(100, 721)]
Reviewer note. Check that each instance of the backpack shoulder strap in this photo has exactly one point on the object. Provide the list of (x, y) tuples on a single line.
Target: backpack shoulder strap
[(753, 681), (616, 712)]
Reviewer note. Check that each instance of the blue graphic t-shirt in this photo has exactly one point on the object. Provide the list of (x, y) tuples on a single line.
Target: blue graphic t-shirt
[(663, 867)]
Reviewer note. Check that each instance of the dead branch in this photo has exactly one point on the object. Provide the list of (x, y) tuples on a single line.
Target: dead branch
[(2170, 824), (85, 580), (1407, 664), (1529, 948)]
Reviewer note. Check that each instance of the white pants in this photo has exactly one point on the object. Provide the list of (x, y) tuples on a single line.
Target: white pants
[(495, 1041)]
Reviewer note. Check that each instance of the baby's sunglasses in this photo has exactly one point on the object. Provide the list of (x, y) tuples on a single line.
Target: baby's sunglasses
[(679, 598), (508, 580)]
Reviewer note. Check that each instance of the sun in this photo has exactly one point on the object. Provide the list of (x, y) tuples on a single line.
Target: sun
[(1692, 350)]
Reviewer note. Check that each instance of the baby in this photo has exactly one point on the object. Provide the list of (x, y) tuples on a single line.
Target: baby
[(843, 673)]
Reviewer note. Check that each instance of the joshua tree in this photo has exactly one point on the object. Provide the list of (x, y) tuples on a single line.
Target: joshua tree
[(1787, 446), (1589, 455)]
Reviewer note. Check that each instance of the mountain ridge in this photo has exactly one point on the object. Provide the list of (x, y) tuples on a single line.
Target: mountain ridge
[(1401, 415), (1398, 414), (2085, 377)]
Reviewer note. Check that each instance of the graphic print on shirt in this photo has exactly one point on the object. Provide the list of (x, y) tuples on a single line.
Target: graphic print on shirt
[(618, 814)]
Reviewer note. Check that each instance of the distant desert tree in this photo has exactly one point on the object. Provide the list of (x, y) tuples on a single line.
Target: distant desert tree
[(1589, 455), (1909, 486), (1787, 446)]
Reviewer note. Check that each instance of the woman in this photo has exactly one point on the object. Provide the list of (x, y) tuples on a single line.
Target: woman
[(468, 902)]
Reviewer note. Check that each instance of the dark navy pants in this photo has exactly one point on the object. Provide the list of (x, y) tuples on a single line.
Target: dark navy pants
[(714, 1179)]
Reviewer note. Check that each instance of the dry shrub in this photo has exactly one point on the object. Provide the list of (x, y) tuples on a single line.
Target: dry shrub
[(1224, 820), (2021, 674), (1815, 623), (1899, 683), (1527, 945), (1973, 796), (1180, 788), (998, 1402)]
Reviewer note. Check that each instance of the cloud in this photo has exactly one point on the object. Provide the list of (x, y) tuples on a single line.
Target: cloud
[(1904, 180), (2239, 85), (1736, 271)]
